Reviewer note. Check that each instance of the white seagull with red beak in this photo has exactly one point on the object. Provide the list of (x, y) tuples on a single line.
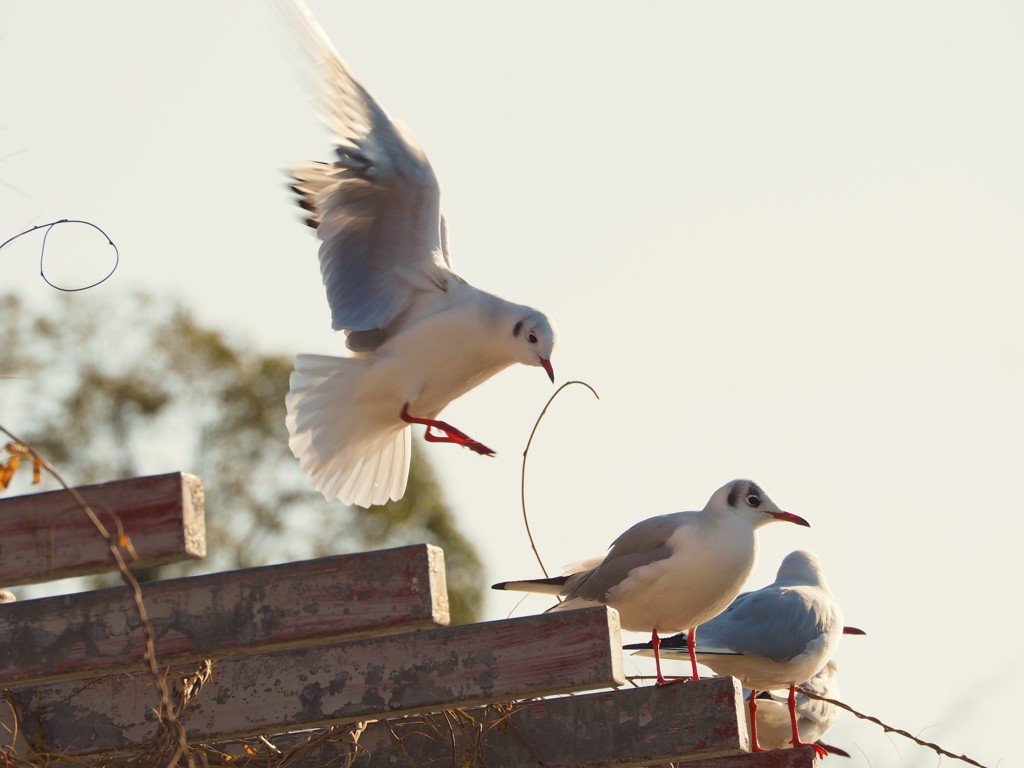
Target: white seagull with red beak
[(419, 335), (672, 571)]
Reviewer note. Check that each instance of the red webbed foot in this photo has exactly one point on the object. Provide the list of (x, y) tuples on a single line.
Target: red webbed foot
[(819, 750), (458, 439), (450, 433)]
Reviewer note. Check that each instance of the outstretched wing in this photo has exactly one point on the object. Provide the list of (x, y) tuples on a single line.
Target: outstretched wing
[(376, 207)]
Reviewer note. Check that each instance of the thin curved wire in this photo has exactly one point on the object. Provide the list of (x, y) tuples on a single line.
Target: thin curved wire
[(42, 252), (526, 451)]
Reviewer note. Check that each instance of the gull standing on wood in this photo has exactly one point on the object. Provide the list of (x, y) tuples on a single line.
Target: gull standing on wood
[(673, 571), (773, 638), (419, 335)]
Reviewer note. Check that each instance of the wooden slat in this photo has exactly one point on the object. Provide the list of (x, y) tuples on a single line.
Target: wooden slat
[(46, 536), (343, 682), (775, 758), (201, 617), (613, 729)]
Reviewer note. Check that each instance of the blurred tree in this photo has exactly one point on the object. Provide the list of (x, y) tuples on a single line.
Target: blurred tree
[(111, 392)]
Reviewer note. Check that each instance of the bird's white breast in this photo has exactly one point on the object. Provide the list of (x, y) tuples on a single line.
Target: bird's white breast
[(705, 572), (438, 356)]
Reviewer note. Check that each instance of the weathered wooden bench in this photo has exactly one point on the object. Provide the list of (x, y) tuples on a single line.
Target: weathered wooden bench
[(263, 655)]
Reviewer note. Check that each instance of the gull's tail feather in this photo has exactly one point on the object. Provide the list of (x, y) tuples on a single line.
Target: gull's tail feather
[(347, 457), (552, 586), (671, 647)]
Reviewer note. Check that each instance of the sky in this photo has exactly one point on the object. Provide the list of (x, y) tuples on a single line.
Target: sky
[(781, 241)]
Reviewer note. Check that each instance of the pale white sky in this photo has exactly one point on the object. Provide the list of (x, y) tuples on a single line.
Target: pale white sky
[(781, 240)]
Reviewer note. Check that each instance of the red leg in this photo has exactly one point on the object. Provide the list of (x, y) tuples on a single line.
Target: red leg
[(754, 746), (451, 434), (691, 643), (819, 751), (656, 645)]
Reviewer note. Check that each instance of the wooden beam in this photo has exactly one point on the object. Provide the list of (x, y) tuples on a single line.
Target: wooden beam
[(342, 682), (611, 729), (773, 758), (95, 633), (47, 536)]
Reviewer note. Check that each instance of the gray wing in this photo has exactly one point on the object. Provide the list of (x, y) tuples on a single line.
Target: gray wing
[(376, 208), (778, 624), (644, 543)]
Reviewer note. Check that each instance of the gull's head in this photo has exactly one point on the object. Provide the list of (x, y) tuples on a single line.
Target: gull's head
[(801, 567), (534, 339), (746, 499)]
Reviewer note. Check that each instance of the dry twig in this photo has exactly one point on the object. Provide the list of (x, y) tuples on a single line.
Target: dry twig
[(166, 713), (526, 451)]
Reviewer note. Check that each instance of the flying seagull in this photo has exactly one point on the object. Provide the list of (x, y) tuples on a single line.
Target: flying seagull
[(418, 334)]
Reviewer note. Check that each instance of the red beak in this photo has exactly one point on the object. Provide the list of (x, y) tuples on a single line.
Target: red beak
[(789, 517), (546, 365)]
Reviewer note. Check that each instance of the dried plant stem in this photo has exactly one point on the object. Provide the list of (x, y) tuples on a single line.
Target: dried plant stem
[(115, 543), (526, 452)]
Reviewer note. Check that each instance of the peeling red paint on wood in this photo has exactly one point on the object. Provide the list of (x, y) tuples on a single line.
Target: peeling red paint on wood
[(281, 665), (47, 536), (371, 678), (94, 633), (612, 729)]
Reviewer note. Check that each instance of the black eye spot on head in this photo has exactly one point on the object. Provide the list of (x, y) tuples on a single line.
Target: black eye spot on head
[(753, 500), (734, 495), (517, 328), (532, 337)]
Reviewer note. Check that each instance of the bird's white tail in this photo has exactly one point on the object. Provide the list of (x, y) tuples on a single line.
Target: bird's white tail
[(347, 455)]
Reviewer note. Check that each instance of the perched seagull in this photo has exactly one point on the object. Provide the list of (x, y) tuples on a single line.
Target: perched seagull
[(773, 638), (673, 571), (419, 335)]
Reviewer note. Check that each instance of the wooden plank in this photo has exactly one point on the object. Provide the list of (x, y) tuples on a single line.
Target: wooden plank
[(611, 729), (200, 617), (774, 758), (342, 682), (47, 536)]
